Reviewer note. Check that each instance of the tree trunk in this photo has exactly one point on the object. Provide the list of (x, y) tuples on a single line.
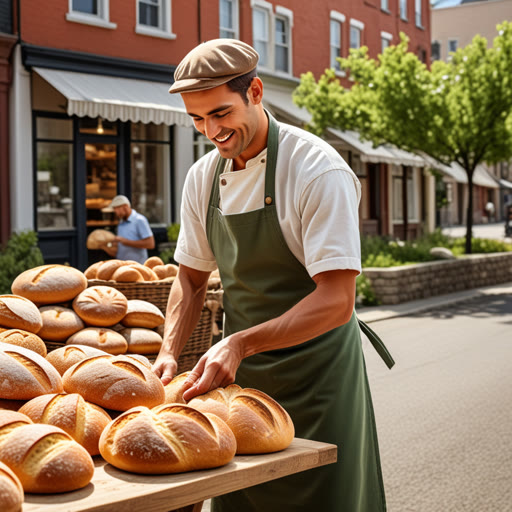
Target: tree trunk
[(469, 215)]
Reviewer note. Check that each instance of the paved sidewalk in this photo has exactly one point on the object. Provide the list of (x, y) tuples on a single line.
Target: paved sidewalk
[(377, 313)]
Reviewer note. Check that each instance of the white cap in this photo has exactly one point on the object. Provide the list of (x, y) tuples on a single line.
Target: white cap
[(119, 201)]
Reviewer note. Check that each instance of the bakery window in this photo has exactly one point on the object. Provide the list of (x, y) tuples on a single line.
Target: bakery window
[(54, 173)]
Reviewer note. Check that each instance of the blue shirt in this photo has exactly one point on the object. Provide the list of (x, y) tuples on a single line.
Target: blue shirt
[(136, 227)]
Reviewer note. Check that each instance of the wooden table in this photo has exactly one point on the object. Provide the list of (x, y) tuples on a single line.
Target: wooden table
[(114, 490)]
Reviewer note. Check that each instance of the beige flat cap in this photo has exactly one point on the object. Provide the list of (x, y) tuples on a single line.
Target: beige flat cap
[(213, 63), (119, 201)]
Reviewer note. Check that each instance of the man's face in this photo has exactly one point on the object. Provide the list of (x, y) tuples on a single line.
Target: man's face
[(221, 115), (123, 211)]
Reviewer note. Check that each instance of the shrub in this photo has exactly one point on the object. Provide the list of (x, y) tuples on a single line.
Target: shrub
[(167, 255), (20, 253), (365, 296)]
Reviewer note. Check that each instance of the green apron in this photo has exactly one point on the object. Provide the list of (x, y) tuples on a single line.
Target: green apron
[(322, 383)]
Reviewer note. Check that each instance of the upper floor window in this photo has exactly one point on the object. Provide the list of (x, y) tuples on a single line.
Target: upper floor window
[(384, 5), (385, 40), (435, 51), (452, 45), (336, 24), (228, 18), (282, 42), (261, 36), (356, 30), (403, 9), (90, 12), (154, 18), (417, 12)]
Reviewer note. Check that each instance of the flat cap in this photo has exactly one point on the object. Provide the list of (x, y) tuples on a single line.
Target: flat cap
[(119, 201), (213, 63)]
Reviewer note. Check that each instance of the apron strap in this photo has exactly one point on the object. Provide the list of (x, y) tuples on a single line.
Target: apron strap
[(377, 343)]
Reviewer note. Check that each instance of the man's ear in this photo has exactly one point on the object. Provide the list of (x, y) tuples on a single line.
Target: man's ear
[(255, 91)]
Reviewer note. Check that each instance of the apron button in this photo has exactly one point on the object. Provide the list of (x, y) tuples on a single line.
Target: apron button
[(268, 200), (223, 181)]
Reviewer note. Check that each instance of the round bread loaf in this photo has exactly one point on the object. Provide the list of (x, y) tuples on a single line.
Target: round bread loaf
[(98, 238), (25, 374), (115, 382), (59, 323), (174, 389), (83, 421), (141, 313), (146, 273), (171, 438), (45, 458), (142, 341), (101, 306), (90, 272), (153, 262), (259, 423), (63, 358), (127, 274), (24, 339), (11, 490), (104, 339), (49, 284), (17, 312)]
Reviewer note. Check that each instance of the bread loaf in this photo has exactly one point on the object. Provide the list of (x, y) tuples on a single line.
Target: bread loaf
[(44, 458), (171, 438), (141, 313), (142, 341), (146, 273), (25, 374), (259, 423), (153, 262), (11, 491), (91, 271), (98, 238), (49, 284), (101, 306), (59, 323), (105, 271), (165, 271), (115, 382), (17, 312), (174, 389), (65, 357), (24, 339), (127, 274), (104, 339), (83, 421)]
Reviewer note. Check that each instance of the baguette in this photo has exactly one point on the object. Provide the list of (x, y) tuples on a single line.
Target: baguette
[(65, 357), (104, 339), (59, 323), (24, 339), (101, 306), (11, 490), (171, 438), (17, 312)]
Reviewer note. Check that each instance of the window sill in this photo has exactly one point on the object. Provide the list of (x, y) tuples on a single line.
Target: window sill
[(405, 20), (86, 19), (386, 11), (340, 73), (153, 32)]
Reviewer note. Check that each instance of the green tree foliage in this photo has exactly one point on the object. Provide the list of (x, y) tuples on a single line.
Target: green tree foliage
[(457, 111)]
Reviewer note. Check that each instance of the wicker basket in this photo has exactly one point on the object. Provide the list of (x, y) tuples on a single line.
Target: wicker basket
[(157, 292)]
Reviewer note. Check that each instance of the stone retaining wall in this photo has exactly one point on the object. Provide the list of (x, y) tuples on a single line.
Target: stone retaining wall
[(411, 282)]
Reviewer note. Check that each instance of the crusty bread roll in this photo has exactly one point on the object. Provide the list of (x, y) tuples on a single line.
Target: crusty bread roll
[(17, 312), (90, 272), (105, 271), (101, 306), (49, 284), (83, 421), (141, 340), (174, 389), (259, 423), (11, 490), (59, 323), (45, 458), (127, 274), (24, 374), (141, 313), (146, 273), (153, 262), (24, 339), (165, 271), (63, 358), (171, 438), (104, 339), (115, 382)]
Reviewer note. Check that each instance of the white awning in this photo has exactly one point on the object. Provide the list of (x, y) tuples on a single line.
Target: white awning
[(114, 98), (505, 183)]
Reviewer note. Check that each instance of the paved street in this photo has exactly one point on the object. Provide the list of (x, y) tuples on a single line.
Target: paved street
[(495, 230), (444, 412)]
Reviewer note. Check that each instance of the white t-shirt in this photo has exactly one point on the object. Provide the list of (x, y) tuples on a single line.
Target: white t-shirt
[(317, 198)]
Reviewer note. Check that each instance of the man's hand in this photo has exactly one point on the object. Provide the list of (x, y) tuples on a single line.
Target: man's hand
[(165, 367), (217, 368)]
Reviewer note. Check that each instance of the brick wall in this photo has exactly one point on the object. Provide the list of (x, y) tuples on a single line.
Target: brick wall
[(411, 282)]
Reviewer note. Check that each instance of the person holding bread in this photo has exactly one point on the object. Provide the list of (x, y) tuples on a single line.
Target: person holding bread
[(275, 209), (134, 236)]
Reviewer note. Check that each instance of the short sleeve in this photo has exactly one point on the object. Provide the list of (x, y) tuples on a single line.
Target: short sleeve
[(144, 228)]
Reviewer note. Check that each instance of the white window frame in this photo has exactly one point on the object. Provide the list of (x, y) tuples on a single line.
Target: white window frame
[(358, 25), (385, 36), (102, 19), (413, 195), (418, 6), (384, 5), (287, 15), (235, 29), (403, 9), (165, 29), (339, 18), (266, 8)]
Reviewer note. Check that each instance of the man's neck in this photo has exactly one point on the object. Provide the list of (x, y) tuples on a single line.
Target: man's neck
[(258, 144)]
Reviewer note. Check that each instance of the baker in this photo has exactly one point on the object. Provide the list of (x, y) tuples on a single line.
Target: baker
[(134, 235), (275, 208)]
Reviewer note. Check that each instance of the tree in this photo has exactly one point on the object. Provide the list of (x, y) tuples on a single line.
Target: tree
[(458, 111)]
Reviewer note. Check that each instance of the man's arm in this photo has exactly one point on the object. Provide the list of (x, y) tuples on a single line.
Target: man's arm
[(330, 305), (184, 307), (144, 243), (110, 248)]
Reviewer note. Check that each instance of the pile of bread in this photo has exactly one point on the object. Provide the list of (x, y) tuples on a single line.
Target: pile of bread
[(127, 271)]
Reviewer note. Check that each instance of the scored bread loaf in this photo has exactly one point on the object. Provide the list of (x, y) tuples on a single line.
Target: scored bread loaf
[(104, 339), (174, 389), (59, 323), (83, 421), (24, 339), (101, 306), (115, 382), (44, 458), (141, 340), (24, 374), (49, 284), (170, 438), (65, 357), (141, 313), (11, 490), (17, 312)]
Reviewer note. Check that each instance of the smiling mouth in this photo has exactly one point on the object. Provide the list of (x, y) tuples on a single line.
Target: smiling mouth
[(224, 138)]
